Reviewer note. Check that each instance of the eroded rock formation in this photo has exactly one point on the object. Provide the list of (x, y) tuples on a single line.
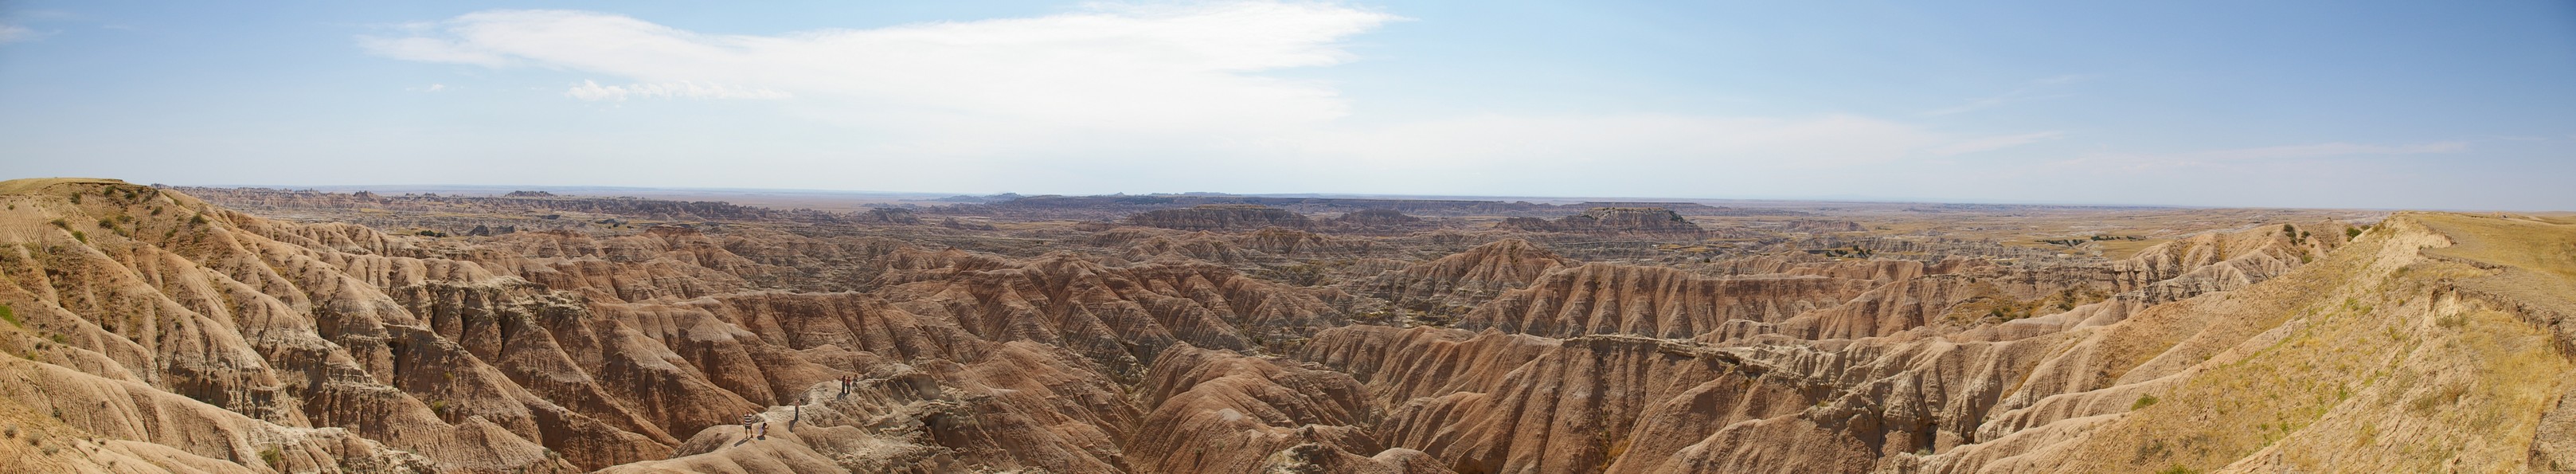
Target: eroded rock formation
[(151, 331)]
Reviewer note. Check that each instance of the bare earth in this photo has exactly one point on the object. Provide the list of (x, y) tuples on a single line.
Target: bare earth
[(155, 329)]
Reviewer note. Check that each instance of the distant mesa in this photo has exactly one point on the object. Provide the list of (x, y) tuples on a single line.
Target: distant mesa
[(1387, 221), (491, 230), (1376, 218), (1609, 220), (891, 215), (953, 223), (529, 194), (991, 198), (1812, 226), (1221, 217)]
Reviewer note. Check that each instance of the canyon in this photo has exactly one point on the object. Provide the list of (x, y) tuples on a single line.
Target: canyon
[(243, 330)]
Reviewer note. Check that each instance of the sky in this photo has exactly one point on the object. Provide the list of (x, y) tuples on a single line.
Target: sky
[(2427, 105)]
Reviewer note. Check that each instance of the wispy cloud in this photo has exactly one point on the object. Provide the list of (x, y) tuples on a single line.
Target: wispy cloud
[(1992, 143), (1139, 66), (428, 88), (2323, 150), (592, 91), (1131, 94), (15, 33), (2256, 155), (2036, 89)]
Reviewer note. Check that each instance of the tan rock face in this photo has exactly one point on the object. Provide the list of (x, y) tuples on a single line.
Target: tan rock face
[(1653, 301), (1469, 278), (150, 331)]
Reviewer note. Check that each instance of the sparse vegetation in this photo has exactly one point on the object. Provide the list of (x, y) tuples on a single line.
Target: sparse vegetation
[(2437, 398), (11, 316), (274, 458), (2143, 402), (1302, 274)]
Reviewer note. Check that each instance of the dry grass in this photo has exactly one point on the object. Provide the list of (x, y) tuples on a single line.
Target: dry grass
[(2369, 372)]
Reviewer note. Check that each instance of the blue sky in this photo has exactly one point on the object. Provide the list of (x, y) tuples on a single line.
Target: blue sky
[(2455, 105)]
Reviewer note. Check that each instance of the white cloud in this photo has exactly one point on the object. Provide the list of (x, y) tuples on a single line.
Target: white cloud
[(1667, 141), (2322, 150), (1133, 67), (2254, 155), (2027, 92), (1991, 143), (1121, 95), (428, 88), (592, 91), (429, 50), (15, 33)]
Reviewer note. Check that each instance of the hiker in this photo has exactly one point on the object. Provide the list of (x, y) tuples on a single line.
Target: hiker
[(764, 431), (747, 420), (799, 415)]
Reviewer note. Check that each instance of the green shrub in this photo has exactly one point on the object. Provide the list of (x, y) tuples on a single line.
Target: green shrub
[(2143, 402), (2178, 469), (84, 238), (272, 457), (11, 317), (2351, 232)]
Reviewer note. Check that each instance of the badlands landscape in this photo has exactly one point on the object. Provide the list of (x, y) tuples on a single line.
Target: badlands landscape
[(235, 330)]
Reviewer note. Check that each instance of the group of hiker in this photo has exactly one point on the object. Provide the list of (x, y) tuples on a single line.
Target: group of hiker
[(758, 426)]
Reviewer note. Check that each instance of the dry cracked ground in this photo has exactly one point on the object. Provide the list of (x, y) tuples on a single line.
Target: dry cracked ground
[(156, 329)]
